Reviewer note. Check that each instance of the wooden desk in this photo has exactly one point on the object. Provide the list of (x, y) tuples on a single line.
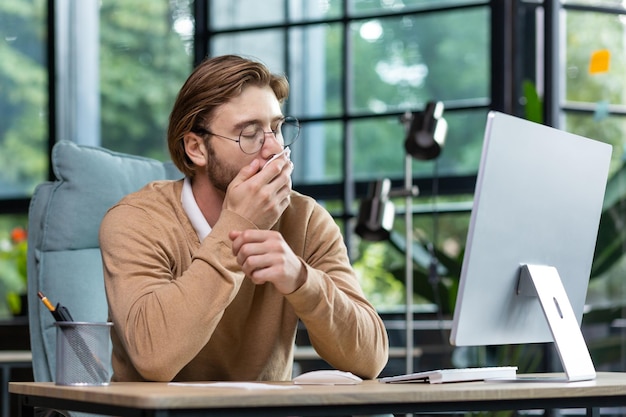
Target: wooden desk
[(161, 399)]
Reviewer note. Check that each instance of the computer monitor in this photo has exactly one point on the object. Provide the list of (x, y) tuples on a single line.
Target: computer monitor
[(531, 240)]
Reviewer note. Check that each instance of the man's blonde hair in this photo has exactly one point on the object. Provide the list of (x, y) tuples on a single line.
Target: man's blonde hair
[(213, 83)]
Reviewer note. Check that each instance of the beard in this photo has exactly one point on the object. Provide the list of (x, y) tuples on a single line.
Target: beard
[(220, 173)]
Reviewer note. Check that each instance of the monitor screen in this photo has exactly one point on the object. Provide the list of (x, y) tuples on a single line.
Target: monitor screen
[(538, 201)]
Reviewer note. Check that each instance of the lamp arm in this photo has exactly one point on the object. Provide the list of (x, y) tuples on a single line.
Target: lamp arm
[(411, 190), (408, 258)]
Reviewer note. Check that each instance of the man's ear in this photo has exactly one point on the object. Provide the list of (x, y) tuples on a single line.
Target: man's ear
[(195, 149)]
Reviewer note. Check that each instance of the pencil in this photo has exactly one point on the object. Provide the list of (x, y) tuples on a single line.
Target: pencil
[(46, 302), (59, 312)]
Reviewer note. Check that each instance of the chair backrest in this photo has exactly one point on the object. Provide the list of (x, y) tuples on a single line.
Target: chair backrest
[(64, 261)]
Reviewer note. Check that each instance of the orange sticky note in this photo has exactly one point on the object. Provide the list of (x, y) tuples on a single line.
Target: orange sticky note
[(599, 61)]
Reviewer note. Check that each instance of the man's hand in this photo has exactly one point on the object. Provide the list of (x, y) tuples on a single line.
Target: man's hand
[(264, 256), (261, 196)]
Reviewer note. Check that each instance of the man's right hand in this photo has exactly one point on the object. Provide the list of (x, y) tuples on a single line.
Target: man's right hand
[(261, 196)]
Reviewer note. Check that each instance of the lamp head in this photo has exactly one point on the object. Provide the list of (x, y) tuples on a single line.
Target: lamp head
[(376, 212), (427, 131)]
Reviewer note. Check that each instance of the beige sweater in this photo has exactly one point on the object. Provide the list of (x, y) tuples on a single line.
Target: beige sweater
[(184, 311)]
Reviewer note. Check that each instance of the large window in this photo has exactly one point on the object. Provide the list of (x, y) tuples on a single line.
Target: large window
[(116, 67), (23, 99)]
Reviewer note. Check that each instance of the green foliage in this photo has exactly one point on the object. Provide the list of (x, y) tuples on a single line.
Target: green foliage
[(379, 285), (23, 96), (13, 248), (143, 62), (612, 231), (533, 106), (415, 59), (438, 288), (380, 264)]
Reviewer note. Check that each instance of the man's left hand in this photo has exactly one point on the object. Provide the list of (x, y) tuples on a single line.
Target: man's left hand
[(264, 256)]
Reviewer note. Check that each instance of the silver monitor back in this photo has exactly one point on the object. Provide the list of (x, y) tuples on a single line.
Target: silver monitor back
[(538, 200)]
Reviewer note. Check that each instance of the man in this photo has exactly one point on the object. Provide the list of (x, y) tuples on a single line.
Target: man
[(207, 277)]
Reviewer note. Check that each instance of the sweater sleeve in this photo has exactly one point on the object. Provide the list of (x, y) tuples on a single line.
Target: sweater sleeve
[(344, 328), (158, 293)]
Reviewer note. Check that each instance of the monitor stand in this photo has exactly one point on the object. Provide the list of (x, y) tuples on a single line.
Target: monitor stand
[(544, 282)]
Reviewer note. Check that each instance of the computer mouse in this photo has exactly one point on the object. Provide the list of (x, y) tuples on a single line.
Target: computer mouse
[(327, 377)]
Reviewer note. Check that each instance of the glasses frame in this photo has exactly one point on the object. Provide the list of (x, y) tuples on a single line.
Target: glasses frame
[(292, 121)]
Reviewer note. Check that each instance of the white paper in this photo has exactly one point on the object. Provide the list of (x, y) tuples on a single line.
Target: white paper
[(285, 151), (244, 385)]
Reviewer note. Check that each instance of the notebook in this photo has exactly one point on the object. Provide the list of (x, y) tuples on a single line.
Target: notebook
[(455, 375)]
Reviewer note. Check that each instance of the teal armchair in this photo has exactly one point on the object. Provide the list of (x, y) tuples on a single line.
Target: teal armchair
[(64, 260)]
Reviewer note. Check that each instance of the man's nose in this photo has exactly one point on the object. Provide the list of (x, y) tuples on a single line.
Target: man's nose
[(272, 142)]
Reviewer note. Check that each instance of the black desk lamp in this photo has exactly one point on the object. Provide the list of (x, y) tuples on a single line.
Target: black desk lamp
[(427, 132), (376, 212)]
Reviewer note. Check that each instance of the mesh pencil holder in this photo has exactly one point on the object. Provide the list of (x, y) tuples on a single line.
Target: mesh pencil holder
[(83, 353)]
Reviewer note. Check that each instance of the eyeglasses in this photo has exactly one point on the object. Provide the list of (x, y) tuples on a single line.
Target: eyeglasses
[(252, 136)]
